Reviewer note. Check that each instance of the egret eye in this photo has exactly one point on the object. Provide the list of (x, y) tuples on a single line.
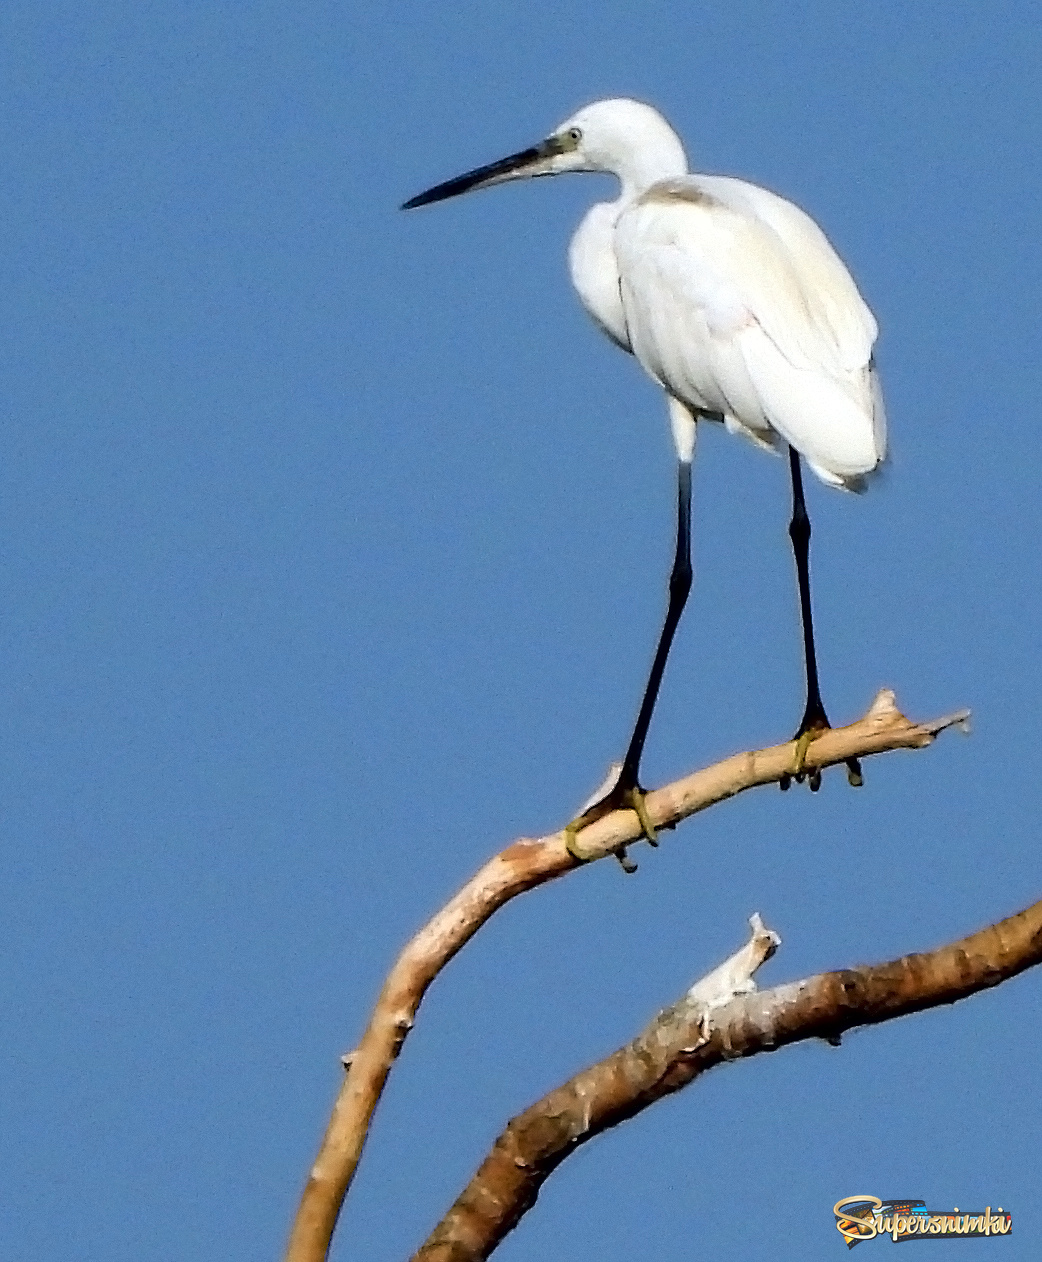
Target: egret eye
[(575, 134)]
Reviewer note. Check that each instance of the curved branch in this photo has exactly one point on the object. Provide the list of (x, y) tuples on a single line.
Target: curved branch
[(520, 867), (722, 1018)]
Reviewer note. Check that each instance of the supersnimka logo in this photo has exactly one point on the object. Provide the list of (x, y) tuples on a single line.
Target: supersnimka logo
[(861, 1218)]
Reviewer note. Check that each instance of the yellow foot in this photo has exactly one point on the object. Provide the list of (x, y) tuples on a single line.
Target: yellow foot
[(571, 844), (616, 799), (571, 834), (634, 799), (802, 745), (803, 741)]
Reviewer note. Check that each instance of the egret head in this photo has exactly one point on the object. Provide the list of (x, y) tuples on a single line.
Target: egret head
[(621, 137)]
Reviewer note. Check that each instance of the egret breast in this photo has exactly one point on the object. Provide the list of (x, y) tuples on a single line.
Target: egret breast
[(595, 272)]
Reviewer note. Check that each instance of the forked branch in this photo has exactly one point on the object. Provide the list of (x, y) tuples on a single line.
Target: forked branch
[(721, 1018), (520, 867)]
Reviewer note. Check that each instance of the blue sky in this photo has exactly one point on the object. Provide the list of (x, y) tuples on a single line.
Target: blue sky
[(333, 546)]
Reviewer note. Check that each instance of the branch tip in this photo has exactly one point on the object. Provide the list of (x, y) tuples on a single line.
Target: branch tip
[(958, 719)]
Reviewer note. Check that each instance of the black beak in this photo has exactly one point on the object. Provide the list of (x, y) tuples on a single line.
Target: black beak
[(483, 175)]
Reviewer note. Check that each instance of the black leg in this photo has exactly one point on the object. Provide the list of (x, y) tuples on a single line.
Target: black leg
[(626, 791), (814, 717), (679, 587)]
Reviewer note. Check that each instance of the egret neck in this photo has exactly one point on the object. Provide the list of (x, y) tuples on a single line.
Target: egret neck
[(594, 270)]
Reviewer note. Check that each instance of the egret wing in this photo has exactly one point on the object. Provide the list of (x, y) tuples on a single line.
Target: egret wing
[(729, 316), (822, 272)]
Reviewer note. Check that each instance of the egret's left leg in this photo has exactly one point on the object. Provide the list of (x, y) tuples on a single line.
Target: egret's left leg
[(815, 720)]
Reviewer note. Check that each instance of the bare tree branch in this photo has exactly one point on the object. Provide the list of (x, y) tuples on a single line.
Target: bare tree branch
[(722, 1018), (520, 867)]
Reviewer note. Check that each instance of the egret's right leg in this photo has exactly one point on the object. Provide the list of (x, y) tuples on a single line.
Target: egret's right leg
[(815, 720), (627, 792)]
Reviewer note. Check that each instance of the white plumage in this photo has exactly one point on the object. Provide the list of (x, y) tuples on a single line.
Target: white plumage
[(734, 301), (730, 297)]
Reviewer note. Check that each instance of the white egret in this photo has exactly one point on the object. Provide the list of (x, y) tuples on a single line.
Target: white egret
[(734, 301)]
